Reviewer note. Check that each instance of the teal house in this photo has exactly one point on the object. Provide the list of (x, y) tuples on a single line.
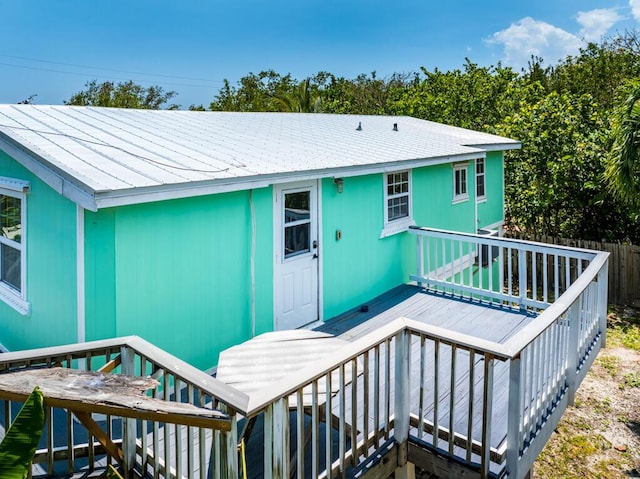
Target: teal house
[(199, 230)]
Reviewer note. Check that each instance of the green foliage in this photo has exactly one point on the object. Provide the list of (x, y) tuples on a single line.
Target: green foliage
[(253, 92), (122, 95), (623, 162), (554, 184), (476, 97), (19, 444), (301, 100)]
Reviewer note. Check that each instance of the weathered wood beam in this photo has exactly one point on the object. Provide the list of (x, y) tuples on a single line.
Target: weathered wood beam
[(114, 394)]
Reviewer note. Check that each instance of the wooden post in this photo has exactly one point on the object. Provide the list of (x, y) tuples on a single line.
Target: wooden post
[(513, 418), (276, 440), (127, 363), (574, 337), (229, 445), (402, 404), (603, 278)]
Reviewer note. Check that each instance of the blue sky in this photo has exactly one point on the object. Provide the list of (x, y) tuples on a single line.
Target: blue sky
[(52, 48)]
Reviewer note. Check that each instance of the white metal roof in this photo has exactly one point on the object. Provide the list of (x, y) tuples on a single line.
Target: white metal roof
[(102, 157)]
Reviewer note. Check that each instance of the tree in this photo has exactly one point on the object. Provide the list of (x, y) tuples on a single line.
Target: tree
[(122, 95), (623, 162), (301, 100), (470, 98), (253, 92), (554, 183)]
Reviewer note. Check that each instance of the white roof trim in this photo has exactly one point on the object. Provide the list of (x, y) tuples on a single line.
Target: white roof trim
[(38, 166), (132, 196), (13, 184)]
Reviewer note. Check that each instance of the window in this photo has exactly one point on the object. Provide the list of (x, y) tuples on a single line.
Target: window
[(460, 182), (12, 243), (397, 199), (480, 179)]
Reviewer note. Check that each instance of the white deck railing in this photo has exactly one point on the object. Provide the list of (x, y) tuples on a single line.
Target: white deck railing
[(414, 383)]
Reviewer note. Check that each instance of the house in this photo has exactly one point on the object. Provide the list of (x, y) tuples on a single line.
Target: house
[(199, 230)]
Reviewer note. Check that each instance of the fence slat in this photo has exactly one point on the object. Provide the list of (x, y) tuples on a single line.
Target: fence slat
[(624, 265)]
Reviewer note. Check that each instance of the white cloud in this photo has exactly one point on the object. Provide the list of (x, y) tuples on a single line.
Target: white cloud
[(635, 9), (528, 37), (595, 23)]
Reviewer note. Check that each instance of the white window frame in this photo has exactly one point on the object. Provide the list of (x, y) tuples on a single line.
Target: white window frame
[(397, 225), (14, 298), (483, 175), (459, 168)]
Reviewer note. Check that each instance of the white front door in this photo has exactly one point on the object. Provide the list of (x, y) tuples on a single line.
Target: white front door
[(296, 255)]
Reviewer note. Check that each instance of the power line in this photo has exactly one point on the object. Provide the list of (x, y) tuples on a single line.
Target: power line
[(191, 85), (111, 69)]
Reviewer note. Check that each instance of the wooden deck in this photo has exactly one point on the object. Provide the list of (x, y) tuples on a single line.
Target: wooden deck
[(474, 318), (479, 319)]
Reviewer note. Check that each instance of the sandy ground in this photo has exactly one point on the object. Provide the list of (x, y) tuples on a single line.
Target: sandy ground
[(599, 437)]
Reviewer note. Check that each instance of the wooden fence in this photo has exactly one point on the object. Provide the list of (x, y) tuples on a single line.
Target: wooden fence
[(624, 265)]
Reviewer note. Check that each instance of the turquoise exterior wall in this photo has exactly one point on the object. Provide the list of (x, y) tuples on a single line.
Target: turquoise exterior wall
[(361, 265), (177, 273), (491, 211), (50, 268)]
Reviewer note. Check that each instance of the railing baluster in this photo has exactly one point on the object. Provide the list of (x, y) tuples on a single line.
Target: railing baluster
[(315, 430), (420, 258), (365, 406), (191, 464), (387, 388), (342, 447), (485, 461), (328, 430), (300, 434), (469, 449), (354, 412), (452, 398), (436, 390), (545, 276), (376, 396), (423, 353)]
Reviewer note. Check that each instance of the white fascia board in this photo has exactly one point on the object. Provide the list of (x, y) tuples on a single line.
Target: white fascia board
[(132, 196), (13, 184), (47, 173), (498, 146)]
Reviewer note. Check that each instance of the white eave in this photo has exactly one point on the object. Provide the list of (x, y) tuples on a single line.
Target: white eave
[(101, 157)]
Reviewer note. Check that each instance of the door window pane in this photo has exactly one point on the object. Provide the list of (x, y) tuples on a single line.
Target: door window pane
[(296, 206), (296, 240)]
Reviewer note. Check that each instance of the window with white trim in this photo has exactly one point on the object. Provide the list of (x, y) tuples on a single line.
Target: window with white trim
[(12, 243), (397, 201), (460, 192), (480, 180)]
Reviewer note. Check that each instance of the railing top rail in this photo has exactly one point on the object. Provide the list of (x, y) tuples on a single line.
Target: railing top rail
[(288, 385), (572, 252), (531, 331), (207, 384), (77, 349)]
